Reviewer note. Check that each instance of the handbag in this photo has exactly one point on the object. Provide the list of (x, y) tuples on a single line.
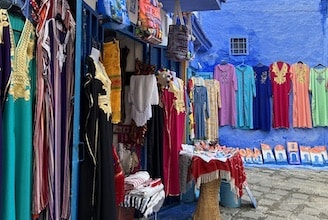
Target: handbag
[(177, 46)]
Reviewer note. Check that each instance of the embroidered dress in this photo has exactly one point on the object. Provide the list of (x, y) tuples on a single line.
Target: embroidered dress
[(17, 124), (226, 75), (300, 76), (318, 89), (111, 61), (212, 123), (245, 94), (96, 184), (281, 85), (262, 101), (173, 100)]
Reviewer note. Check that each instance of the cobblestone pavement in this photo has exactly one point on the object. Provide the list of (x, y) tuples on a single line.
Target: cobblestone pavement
[(283, 193)]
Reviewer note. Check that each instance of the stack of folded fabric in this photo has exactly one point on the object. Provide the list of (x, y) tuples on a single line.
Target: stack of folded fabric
[(143, 193)]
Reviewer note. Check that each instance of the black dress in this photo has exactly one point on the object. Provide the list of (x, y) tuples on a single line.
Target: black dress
[(96, 178)]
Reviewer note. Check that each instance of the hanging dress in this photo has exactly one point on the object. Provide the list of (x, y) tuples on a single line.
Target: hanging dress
[(212, 123), (300, 76), (5, 69), (262, 101), (319, 101), (281, 85), (226, 75), (173, 100), (245, 94), (96, 179), (17, 124)]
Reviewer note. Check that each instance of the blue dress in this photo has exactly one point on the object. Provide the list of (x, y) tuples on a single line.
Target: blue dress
[(245, 93), (201, 110), (261, 104)]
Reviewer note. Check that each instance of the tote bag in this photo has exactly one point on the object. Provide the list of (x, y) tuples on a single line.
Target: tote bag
[(177, 46)]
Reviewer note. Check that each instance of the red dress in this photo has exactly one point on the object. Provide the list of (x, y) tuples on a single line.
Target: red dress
[(173, 100), (281, 85)]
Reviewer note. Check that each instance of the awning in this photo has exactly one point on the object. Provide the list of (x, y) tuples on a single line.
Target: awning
[(193, 5)]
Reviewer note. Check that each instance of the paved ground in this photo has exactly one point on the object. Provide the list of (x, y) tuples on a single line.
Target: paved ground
[(283, 193)]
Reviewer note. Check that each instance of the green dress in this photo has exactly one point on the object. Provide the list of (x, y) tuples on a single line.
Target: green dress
[(17, 124)]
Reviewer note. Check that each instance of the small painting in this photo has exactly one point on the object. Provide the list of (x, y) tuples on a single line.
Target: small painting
[(293, 154), (280, 154), (268, 156), (305, 152)]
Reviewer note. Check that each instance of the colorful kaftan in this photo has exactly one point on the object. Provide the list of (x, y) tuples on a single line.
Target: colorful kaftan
[(201, 111), (173, 100), (96, 184), (17, 123), (281, 85), (226, 75), (262, 101), (318, 89), (300, 76), (245, 94), (212, 123)]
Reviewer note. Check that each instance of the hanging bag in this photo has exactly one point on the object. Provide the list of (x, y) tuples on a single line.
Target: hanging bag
[(177, 46)]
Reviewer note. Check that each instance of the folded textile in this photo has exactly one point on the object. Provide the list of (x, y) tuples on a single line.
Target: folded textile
[(147, 191), (136, 179)]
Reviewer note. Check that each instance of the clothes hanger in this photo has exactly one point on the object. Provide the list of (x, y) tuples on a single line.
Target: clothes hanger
[(320, 66), (300, 62)]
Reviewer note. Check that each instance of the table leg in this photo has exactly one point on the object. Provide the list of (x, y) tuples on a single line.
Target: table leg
[(208, 203)]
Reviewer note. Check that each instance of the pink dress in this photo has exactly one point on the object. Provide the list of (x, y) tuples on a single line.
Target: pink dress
[(226, 75)]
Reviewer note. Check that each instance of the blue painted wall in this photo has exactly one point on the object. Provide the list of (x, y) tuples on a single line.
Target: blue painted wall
[(277, 30)]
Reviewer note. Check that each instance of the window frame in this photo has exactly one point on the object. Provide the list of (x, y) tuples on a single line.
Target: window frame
[(242, 46)]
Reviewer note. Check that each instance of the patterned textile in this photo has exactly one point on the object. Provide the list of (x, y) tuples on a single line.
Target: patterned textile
[(232, 170), (111, 61)]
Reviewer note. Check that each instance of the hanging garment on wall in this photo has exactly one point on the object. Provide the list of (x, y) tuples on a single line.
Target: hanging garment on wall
[(117, 11), (17, 123), (245, 93), (300, 76), (96, 182), (214, 98), (173, 100), (143, 94), (281, 85), (201, 111), (318, 89), (111, 61), (262, 101), (155, 142), (226, 75)]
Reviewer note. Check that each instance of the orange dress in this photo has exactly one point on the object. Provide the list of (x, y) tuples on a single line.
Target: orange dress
[(300, 76)]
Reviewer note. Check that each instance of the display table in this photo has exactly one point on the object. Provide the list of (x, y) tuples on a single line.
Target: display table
[(207, 176)]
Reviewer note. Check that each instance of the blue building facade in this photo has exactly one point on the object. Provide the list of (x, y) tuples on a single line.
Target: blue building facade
[(288, 31)]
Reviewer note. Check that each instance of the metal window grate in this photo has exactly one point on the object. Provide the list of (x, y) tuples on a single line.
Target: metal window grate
[(239, 46)]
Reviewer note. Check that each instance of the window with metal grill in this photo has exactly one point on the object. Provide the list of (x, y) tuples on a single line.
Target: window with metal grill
[(238, 46)]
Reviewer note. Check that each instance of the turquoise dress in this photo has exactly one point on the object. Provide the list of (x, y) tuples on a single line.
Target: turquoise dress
[(17, 124)]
